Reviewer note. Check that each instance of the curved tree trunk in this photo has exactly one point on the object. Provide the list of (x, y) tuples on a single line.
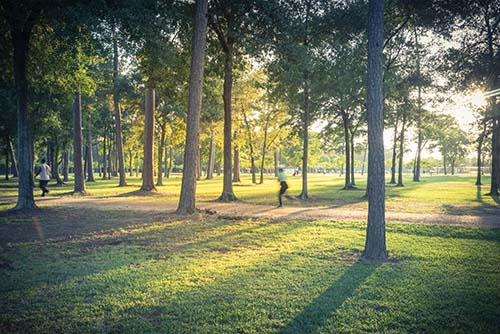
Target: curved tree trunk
[(149, 125), (118, 113), (187, 200), (79, 186), (375, 245)]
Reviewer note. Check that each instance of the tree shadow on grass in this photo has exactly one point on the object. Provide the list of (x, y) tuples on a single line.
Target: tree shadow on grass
[(315, 315)]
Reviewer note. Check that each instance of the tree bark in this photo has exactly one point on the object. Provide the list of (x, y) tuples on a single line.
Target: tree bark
[(227, 189), (54, 162), (12, 155), (149, 125), (375, 245), (187, 200), (118, 113), (211, 158), (104, 159), (161, 147), (401, 153), (20, 39), (90, 159), (79, 186), (236, 172), (305, 137)]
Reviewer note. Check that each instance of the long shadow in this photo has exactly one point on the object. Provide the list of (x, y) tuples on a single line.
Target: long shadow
[(323, 308)]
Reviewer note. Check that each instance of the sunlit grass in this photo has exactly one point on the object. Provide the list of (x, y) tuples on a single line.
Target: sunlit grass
[(434, 194), (250, 276)]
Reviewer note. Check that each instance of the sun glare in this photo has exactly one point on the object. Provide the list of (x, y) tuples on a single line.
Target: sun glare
[(478, 99)]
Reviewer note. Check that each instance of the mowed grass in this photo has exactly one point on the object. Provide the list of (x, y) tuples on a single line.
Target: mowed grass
[(434, 194), (207, 275)]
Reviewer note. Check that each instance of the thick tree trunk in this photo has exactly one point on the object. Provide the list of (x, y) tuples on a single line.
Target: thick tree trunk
[(25, 199), (211, 158), (375, 246), (187, 200), (227, 189), (149, 125), (118, 113), (79, 186), (13, 160)]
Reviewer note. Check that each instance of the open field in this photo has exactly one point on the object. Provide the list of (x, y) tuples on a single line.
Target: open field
[(116, 261)]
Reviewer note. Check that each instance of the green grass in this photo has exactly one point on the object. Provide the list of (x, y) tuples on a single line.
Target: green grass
[(207, 275), (435, 194)]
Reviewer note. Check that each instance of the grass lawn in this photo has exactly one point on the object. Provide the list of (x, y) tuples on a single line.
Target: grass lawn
[(435, 194), (124, 271), (207, 275)]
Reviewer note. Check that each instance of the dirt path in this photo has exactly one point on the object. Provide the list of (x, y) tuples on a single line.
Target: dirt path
[(246, 210)]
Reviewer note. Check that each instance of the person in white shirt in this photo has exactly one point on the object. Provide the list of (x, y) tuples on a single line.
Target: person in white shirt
[(44, 171)]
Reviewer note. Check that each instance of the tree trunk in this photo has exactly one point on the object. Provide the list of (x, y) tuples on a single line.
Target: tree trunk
[(104, 159), (347, 145), (161, 147), (479, 152), (187, 200), (65, 167), (364, 160), (25, 199), (136, 164), (170, 159), (252, 167), (149, 125), (211, 158), (353, 181), (79, 186), (275, 163), (394, 151), (401, 153), (227, 189), (118, 113), (131, 162), (198, 164), (375, 245), (54, 162), (236, 172), (12, 155), (90, 162), (305, 136), (452, 166), (495, 155), (444, 165)]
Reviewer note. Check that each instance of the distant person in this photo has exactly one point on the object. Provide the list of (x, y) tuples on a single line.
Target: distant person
[(44, 171), (283, 186)]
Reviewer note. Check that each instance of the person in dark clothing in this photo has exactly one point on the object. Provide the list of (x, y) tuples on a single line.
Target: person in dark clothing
[(283, 186)]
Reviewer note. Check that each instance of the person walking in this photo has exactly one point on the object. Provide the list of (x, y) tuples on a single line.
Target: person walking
[(283, 186), (44, 171)]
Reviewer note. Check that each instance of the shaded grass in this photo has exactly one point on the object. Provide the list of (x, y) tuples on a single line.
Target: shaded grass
[(207, 275)]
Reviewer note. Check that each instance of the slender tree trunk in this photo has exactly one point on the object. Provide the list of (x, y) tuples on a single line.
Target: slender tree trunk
[(364, 160), (353, 181), (65, 168), (227, 189), (170, 159), (479, 155), (79, 186), (12, 155), (85, 161), (252, 166), (452, 166), (187, 200), (236, 173), (347, 145), (149, 125), (261, 181), (394, 151), (495, 156), (275, 163), (161, 147), (104, 159), (90, 163), (420, 137), (118, 114), (305, 137), (401, 153), (444, 165), (198, 164), (375, 246), (211, 158), (136, 164), (54, 162), (25, 198), (131, 162)]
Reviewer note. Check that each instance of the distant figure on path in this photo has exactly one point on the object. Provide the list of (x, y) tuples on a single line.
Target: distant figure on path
[(283, 186), (44, 171)]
